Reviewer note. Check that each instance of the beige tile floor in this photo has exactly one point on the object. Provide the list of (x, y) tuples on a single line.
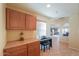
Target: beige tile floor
[(59, 49)]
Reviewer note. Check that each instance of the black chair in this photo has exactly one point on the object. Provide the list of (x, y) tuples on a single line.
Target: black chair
[(44, 43)]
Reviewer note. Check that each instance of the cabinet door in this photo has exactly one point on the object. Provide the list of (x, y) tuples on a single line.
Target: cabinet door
[(7, 18), (30, 22), (16, 51), (34, 49), (15, 20)]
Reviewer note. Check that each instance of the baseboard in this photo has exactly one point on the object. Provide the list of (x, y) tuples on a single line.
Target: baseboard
[(74, 48)]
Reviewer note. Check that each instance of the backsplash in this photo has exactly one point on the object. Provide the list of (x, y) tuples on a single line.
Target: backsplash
[(15, 34)]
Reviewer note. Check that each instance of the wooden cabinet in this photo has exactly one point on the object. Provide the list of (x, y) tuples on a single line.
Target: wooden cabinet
[(28, 49), (34, 49), (15, 20), (20, 21), (30, 22), (16, 51)]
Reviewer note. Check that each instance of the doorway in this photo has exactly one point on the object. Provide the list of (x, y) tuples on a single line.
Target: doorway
[(55, 31)]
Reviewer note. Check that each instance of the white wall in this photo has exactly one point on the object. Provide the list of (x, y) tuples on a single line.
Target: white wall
[(2, 28), (74, 31)]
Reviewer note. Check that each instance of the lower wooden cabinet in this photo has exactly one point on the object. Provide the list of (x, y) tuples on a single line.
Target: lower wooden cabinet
[(31, 49), (16, 51), (34, 49)]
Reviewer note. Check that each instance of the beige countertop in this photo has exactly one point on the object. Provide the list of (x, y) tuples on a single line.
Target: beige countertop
[(18, 43)]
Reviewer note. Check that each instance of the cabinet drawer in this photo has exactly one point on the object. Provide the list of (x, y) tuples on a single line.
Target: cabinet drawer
[(16, 49), (18, 53)]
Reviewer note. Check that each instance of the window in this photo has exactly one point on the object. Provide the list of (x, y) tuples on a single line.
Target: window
[(41, 29)]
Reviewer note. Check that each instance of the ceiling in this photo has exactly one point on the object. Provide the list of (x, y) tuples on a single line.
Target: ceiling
[(57, 10)]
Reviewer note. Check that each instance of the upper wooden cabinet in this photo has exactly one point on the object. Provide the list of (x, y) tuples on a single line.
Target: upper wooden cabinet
[(15, 20), (30, 22), (20, 21)]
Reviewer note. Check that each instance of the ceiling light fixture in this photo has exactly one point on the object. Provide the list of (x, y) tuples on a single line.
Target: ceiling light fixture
[(48, 5)]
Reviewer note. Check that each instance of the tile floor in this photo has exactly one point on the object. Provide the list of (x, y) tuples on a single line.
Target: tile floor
[(59, 49)]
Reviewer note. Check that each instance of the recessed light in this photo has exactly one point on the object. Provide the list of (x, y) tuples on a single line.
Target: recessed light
[(48, 5)]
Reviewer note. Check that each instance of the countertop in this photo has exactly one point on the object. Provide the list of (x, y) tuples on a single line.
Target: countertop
[(18, 43)]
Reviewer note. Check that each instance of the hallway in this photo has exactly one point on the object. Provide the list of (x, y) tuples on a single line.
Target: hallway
[(59, 49)]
